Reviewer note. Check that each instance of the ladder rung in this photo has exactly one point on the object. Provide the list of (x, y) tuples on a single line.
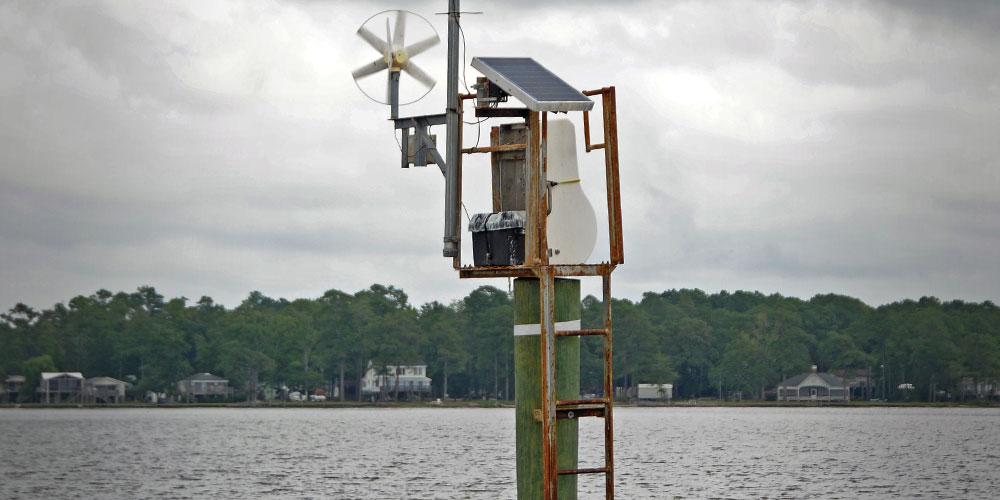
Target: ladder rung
[(576, 402), (595, 470), (575, 412), (581, 333)]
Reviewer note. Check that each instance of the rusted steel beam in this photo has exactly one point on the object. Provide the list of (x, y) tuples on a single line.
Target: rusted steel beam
[(465, 97), (502, 113), (495, 168), (614, 189), (595, 470), (543, 182), (582, 269), (609, 428), (524, 271), (548, 372), (571, 413), (533, 178), (580, 333), (496, 272), (586, 134), (583, 401), (496, 149)]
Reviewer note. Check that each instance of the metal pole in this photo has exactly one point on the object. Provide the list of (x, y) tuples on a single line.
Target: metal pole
[(452, 178), (394, 93)]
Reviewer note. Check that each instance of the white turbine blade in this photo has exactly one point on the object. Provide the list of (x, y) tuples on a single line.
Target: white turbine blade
[(388, 37), (399, 32), (421, 46), (370, 68), (373, 40), (418, 74)]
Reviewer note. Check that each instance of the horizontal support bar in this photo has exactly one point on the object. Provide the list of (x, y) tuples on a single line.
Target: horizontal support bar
[(604, 90), (571, 413), (419, 121), (595, 146), (586, 401), (581, 333), (502, 113), (595, 470), (560, 270), (496, 149)]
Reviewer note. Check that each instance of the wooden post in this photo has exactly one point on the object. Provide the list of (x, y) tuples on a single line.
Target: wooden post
[(528, 383)]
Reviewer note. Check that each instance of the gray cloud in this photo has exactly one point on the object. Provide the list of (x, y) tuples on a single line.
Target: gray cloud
[(798, 148)]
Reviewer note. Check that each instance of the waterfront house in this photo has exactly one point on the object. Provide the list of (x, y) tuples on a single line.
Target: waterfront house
[(61, 387), (859, 381), (204, 386), (12, 387), (104, 390), (979, 388), (412, 380), (814, 386)]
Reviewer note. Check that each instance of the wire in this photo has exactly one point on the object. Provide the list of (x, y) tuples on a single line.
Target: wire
[(399, 145), (465, 83)]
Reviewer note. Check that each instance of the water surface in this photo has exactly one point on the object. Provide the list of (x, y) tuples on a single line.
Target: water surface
[(738, 453)]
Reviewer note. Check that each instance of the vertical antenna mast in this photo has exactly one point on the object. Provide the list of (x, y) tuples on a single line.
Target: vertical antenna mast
[(452, 148)]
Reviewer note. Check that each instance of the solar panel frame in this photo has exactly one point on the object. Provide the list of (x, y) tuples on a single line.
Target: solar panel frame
[(531, 83)]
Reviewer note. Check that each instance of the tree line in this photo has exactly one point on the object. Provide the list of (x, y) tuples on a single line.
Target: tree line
[(706, 345)]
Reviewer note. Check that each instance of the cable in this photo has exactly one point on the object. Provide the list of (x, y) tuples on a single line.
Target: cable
[(467, 218), (465, 83)]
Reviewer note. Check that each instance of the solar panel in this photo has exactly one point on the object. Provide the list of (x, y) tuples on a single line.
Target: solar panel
[(538, 88)]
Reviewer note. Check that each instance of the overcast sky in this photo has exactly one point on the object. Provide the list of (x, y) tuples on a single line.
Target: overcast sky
[(215, 148)]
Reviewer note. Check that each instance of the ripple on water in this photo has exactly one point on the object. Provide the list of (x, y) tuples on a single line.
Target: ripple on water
[(469, 453)]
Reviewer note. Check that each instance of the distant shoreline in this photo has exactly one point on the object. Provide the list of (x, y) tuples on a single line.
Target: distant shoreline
[(507, 404)]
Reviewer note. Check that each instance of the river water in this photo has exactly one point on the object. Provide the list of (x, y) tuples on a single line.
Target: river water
[(375, 453)]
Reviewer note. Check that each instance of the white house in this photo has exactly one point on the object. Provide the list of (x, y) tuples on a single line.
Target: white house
[(204, 386), (104, 390), (411, 379), (61, 387), (814, 386)]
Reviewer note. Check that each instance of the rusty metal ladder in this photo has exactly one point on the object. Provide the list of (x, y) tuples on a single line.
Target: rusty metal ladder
[(553, 409)]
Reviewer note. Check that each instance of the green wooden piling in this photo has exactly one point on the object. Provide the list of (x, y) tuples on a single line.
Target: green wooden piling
[(528, 385)]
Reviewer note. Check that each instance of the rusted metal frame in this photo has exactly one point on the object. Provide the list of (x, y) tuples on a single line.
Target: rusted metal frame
[(495, 168), (579, 333), (543, 186), (524, 271), (496, 149), (570, 413), (586, 133), (582, 269), (533, 178), (611, 168), (548, 371), (502, 113), (583, 401), (602, 90), (595, 470), (609, 439)]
